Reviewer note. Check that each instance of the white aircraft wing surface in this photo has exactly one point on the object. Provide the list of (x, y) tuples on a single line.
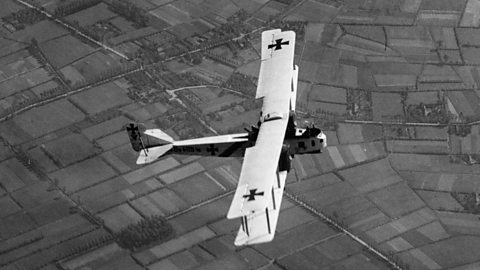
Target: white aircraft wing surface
[(259, 227), (259, 176)]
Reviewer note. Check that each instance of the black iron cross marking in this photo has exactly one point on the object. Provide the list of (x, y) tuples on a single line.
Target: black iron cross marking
[(278, 44), (253, 193), (212, 149), (133, 131)]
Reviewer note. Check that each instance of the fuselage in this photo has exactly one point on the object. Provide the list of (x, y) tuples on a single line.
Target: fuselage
[(234, 145)]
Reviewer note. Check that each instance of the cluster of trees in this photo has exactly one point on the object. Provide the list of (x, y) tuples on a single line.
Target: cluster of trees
[(24, 17), (461, 130), (146, 231), (194, 58), (432, 113), (297, 26), (71, 7), (241, 82), (130, 11), (359, 104), (234, 27), (225, 60), (469, 201)]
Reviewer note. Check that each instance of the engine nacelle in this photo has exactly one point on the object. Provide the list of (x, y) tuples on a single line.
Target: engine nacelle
[(285, 160)]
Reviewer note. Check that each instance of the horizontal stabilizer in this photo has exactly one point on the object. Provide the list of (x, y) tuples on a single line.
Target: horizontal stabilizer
[(151, 154), (157, 133)]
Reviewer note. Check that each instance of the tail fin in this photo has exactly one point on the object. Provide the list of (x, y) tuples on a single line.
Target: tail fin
[(153, 142), (135, 135)]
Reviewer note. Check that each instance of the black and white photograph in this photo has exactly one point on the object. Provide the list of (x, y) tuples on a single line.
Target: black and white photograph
[(239, 134)]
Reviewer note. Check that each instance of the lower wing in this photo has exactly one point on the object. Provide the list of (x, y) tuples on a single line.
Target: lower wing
[(259, 227)]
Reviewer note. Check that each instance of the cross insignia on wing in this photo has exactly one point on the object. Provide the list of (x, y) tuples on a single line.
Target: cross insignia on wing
[(252, 194), (278, 44)]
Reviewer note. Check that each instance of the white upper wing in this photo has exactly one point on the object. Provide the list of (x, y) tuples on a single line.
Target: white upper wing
[(260, 165)]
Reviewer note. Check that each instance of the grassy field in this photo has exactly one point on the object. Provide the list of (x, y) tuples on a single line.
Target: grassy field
[(7, 206), (198, 188), (72, 74), (22, 65), (349, 133), (417, 146), (70, 149), (64, 50), (16, 175), (147, 171), (91, 15), (187, 240), (181, 173), (41, 31), (104, 128), (95, 64), (401, 225), (23, 82), (396, 200), (163, 201), (387, 106), (83, 174), (197, 217), (113, 140), (101, 98), (41, 89), (371, 176), (440, 200), (61, 114), (120, 217)]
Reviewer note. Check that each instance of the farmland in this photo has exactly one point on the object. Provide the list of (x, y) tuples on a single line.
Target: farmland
[(393, 85)]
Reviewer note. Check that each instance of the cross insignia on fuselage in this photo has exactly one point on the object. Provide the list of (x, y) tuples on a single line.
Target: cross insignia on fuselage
[(133, 131), (278, 44), (252, 194), (212, 149)]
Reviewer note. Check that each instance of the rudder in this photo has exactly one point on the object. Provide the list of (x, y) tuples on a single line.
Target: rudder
[(134, 132)]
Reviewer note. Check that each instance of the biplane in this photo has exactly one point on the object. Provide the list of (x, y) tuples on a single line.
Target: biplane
[(267, 149)]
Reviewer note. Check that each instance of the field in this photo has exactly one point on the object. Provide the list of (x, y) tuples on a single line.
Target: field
[(418, 146), (62, 113), (439, 200), (92, 15), (95, 64), (70, 149), (41, 89), (23, 81), (76, 177), (371, 176), (171, 14), (387, 106), (101, 98), (64, 50), (119, 217), (72, 74), (17, 175), (396, 200), (22, 65), (314, 12), (42, 31)]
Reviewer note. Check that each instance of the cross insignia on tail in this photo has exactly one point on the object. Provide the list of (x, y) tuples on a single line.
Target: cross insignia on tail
[(278, 44), (133, 130)]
